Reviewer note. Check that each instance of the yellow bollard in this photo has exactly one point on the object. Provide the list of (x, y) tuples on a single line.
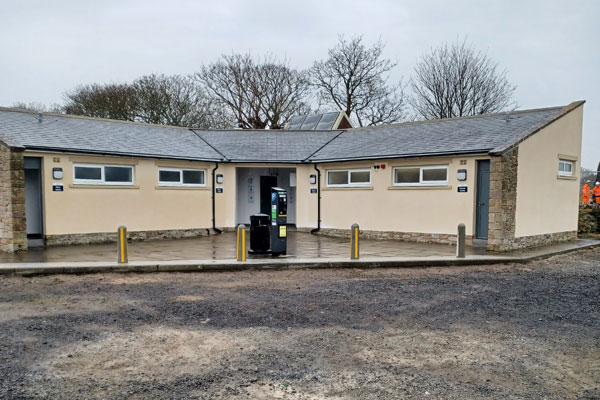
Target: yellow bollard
[(122, 245), (240, 248), (460, 241), (354, 240)]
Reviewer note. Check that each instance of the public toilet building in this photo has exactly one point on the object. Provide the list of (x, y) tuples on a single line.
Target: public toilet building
[(511, 178)]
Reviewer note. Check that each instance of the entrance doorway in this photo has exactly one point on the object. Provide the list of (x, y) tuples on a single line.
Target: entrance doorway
[(483, 199), (254, 191), (266, 183), (33, 197)]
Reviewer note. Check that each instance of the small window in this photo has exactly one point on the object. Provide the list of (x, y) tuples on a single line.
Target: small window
[(118, 174), (88, 174), (169, 176), (193, 177), (421, 176), (407, 175), (565, 168), (181, 177), (349, 177)]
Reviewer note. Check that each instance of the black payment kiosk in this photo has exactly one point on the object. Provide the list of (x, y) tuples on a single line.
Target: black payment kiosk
[(268, 233), (278, 221)]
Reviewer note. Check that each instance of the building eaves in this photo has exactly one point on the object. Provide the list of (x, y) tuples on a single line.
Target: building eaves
[(392, 156), (67, 150)]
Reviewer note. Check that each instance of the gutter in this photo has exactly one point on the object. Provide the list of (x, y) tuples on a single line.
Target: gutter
[(318, 200), (214, 180), (482, 152)]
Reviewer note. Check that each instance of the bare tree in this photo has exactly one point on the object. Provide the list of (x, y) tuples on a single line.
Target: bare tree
[(158, 99), (175, 100), (454, 81), (113, 100), (354, 78), (258, 94)]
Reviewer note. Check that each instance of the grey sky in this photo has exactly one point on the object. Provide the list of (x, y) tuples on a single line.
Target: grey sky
[(550, 48)]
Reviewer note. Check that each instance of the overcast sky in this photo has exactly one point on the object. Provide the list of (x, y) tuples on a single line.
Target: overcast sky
[(551, 49)]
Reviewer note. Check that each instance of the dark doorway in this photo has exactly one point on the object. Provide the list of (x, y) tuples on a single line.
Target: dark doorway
[(266, 183), (483, 199), (33, 197)]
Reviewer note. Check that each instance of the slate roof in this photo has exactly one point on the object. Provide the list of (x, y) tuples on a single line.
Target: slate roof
[(477, 134), (492, 134), (91, 135), (267, 145)]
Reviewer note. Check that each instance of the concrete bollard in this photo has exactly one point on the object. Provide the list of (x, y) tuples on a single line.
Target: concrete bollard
[(460, 241), (122, 245), (240, 248), (354, 242)]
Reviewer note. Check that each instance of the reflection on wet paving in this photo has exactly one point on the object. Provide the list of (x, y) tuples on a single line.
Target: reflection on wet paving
[(300, 245)]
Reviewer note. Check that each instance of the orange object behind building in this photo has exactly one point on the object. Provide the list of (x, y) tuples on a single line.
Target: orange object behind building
[(586, 194), (596, 192)]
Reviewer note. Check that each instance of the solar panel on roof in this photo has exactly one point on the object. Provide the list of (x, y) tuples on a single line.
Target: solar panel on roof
[(296, 122), (311, 121), (326, 123)]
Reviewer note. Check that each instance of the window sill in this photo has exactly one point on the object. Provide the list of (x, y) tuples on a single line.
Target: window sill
[(448, 187), (181, 188), (348, 188), (76, 186), (568, 178)]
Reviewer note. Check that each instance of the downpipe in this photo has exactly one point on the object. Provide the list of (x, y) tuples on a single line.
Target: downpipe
[(214, 188), (318, 200)]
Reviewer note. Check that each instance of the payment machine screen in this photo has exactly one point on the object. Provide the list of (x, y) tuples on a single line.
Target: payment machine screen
[(282, 205)]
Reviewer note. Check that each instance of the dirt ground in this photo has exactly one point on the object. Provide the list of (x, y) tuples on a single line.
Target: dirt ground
[(516, 331)]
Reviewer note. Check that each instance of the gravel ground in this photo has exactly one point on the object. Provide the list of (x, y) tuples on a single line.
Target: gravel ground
[(516, 331)]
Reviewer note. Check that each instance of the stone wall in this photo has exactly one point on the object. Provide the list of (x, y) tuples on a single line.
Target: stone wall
[(417, 237), (542, 240), (13, 228), (111, 237), (503, 201), (589, 221)]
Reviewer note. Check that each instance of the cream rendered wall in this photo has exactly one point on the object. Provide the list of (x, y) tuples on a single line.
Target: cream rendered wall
[(225, 202), (382, 207), (88, 209), (546, 203), (306, 202)]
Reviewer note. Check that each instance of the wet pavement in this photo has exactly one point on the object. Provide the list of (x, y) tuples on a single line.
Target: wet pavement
[(222, 247)]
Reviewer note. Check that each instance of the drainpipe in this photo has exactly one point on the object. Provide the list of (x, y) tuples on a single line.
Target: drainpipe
[(318, 200), (214, 181)]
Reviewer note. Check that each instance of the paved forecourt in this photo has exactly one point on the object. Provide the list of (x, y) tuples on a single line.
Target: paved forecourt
[(230, 264)]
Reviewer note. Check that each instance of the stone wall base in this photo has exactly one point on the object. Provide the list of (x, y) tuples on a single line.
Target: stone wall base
[(417, 237), (111, 237), (531, 241)]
